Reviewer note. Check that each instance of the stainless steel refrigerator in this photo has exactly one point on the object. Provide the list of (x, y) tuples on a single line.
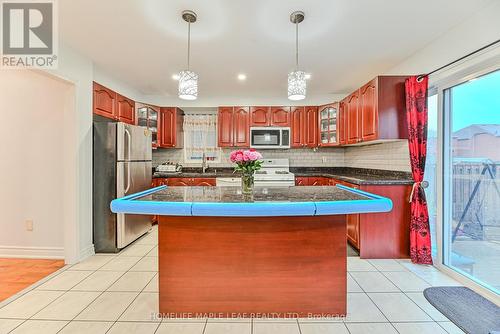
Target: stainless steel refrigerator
[(121, 166)]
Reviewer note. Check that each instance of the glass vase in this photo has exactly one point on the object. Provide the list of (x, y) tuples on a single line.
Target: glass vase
[(247, 183)]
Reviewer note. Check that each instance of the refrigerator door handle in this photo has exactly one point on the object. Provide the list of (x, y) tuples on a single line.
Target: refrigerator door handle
[(129, 141), (127, 165)]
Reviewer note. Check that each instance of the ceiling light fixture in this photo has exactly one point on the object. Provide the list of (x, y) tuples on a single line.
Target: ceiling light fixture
[(242, 77), (297, 78), (175, 76), (188, 80), (307, 76)]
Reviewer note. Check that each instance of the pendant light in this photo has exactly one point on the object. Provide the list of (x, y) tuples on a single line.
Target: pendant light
[(188, 80), (297, 78)]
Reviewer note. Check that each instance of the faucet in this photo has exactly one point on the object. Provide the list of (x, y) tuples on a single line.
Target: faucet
[(204, 165)]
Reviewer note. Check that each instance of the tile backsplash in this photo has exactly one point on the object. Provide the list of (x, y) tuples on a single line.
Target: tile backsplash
[(387, 156)]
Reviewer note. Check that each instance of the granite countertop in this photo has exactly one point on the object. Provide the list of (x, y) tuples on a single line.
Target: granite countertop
[(268, 202), (359, 176)]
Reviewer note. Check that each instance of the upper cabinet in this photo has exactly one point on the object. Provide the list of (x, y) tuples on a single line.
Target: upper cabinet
[(329, 125), (260, 116), (304, 125), (170, 130), (342, 123), (280, 116), (148, 116), (104, 101), (233, 127), (125, 108), (112, 105), (270, 116), (376, 111)]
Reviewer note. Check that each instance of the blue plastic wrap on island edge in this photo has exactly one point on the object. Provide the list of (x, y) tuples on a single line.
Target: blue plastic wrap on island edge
[(131, 204)]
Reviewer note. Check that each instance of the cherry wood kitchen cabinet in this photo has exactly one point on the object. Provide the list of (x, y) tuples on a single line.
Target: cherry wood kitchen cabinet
[(353, 120), (170, 127), (304, 127), (125, 109), (104, 101), (328, 116), (241, 125), (342, 123), (233, 127), (311, 126), (376, 111), (185, 181), (260, 116), (280, 116)]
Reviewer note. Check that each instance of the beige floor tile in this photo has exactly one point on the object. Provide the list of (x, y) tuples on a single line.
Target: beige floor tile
[(39, 327), (371, 328), (148, 239), (152, 285), (29, 304), (6, 325), (437, 278), (108, 306), (143, 308), (361, 309), (387, 265), (398, 307), (133, 328), (65, 280), (322, 328), (246, 320), (67, 306), (228, 328), (357, 264), (419, 299), (450, 327), (86, 327), (146, 264), (373, 281), (153, 252), (132, 281), (203, 320), (407, 281), (352, 286), (93, 262), (136, 250), (120, 263), (181, 328), (419, 328), (276, 328), (98, 281), (322, 319)]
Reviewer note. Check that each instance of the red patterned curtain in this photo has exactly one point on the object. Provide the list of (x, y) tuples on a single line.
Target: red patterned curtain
[(416, 112)]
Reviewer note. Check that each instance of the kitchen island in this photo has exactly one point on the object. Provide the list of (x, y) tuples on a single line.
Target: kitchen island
[(280, 252)]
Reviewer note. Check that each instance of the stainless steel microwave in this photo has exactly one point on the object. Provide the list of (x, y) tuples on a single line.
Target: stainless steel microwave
[(269, 137)]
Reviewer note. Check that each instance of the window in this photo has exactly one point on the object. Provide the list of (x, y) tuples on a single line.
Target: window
[(431, 168), (471, 185), (200, 138)]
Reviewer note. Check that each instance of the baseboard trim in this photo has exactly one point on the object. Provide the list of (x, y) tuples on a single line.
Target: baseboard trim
[(86, 252), (32, 252)]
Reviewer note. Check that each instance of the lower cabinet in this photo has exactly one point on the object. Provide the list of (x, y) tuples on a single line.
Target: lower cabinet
[(185, 181), (375, 235)]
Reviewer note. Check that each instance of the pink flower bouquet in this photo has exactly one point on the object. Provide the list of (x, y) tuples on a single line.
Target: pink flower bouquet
[(247, 161)]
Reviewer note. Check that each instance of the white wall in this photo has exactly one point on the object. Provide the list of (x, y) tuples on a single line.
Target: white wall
[(477, 31), (33, 106)]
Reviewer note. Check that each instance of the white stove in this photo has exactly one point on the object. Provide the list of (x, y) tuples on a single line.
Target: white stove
[(274, 173)]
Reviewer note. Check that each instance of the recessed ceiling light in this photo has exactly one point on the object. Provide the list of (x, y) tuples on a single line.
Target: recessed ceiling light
[(242, 76), (175, 76), (308, 76)]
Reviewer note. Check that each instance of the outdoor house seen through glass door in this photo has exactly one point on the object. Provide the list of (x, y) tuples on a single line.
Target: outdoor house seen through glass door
[(471, 186)]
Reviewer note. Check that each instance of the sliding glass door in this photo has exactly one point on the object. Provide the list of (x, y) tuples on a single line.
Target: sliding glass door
[(471, 182)]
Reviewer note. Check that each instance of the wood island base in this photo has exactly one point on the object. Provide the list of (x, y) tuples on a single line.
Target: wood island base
[(231, 267)]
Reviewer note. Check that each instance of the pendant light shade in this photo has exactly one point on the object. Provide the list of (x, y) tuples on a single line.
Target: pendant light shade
[(296, 85), (297, 79), (188, 80), (188, 85)]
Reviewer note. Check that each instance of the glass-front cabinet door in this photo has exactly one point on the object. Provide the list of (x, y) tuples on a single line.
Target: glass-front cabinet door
[(148, 116), (328, 121)]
